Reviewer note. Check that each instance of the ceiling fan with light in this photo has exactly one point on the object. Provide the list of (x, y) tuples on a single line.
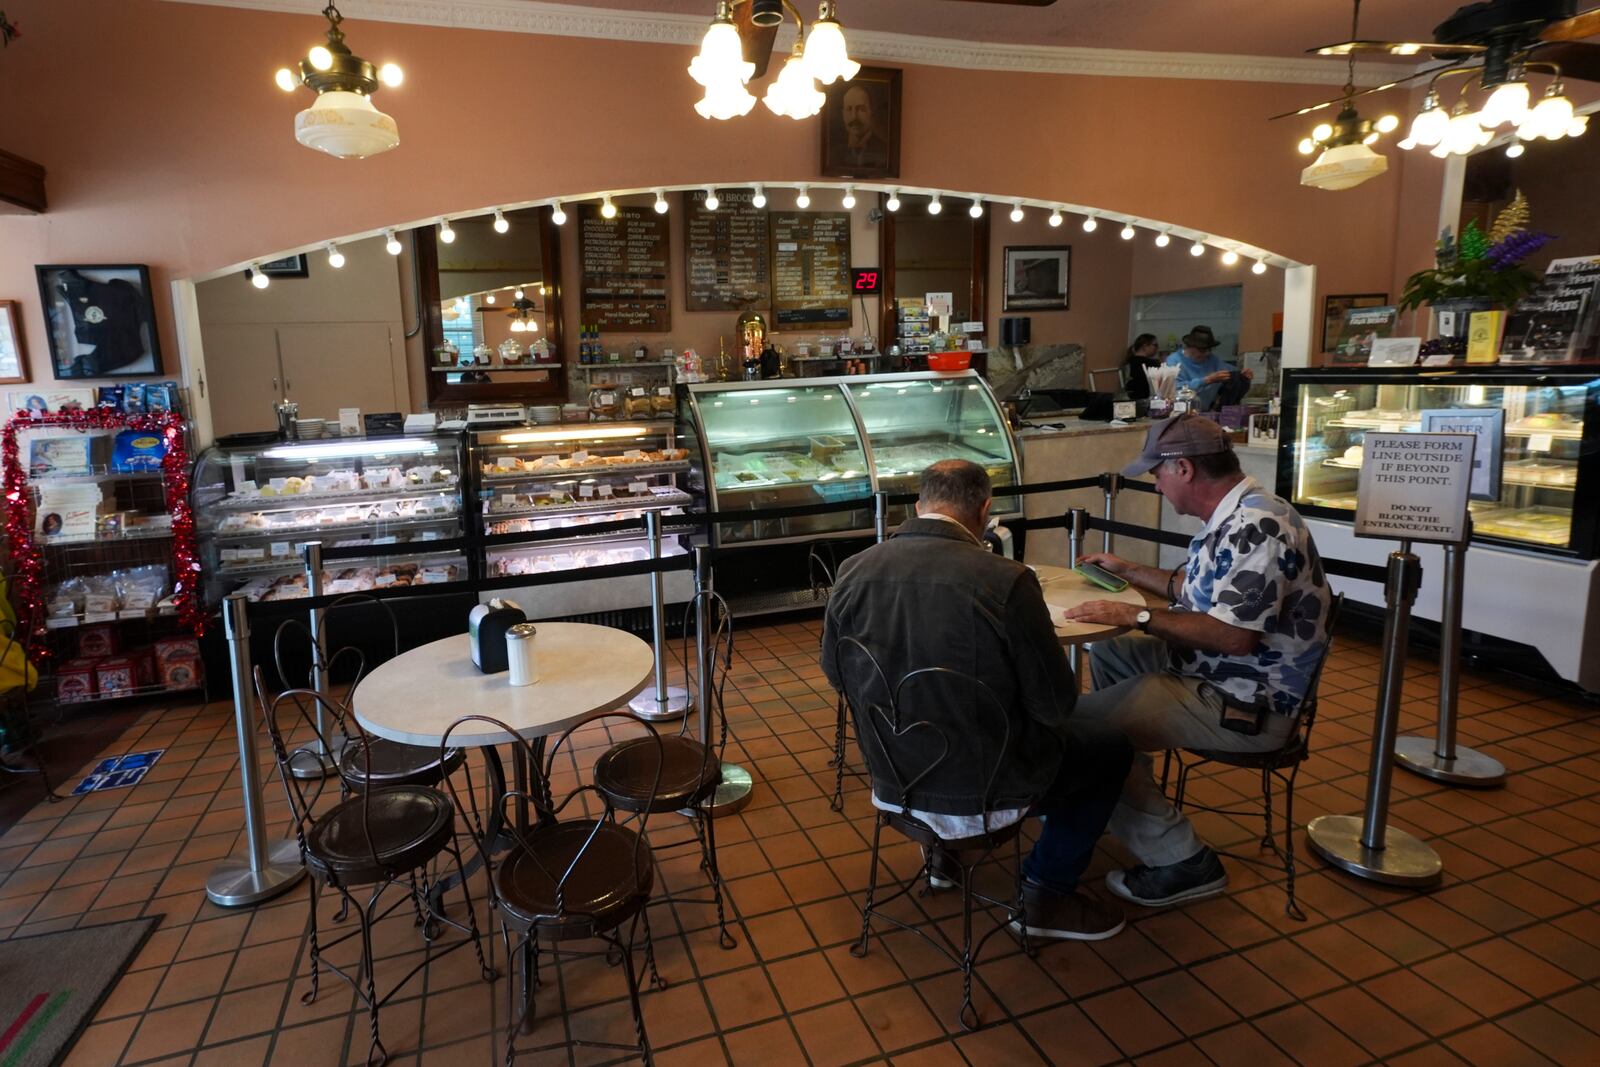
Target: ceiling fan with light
[(1493, 47)]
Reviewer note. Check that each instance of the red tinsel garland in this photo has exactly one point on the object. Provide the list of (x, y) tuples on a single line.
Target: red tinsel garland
[(28, 560)]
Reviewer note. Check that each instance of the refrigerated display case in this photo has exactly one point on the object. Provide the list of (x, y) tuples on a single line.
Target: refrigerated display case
[(1532, 570), (761, 445), (396, 499), (541, 478), (1548, 491)]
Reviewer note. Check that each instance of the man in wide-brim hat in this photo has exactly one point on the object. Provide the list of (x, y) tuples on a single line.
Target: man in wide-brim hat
[(1199, 367)]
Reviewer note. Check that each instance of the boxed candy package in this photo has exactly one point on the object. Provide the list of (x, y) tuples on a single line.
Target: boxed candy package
[(98, 640), (75, 681), (115, 675)]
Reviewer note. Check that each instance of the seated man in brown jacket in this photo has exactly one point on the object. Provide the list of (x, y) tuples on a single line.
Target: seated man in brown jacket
[(934, 596)]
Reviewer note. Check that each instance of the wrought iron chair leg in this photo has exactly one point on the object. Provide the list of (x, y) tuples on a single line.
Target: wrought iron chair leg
[(837, 803), (530, 982), (708, 843), (1268, 841), (656, 981), (1028, 948), (1166, 768), (513, 1018), (364, 917), (968, 1015), (1182, 789), (1292, 908), (314, 885), (472, 915), (859, 949), (633, 995)]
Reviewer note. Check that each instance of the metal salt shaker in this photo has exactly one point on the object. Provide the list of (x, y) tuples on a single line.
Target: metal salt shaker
[(520, 653)]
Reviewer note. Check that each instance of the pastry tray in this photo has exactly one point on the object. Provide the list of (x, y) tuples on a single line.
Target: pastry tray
[(354, 496), (511, 477)]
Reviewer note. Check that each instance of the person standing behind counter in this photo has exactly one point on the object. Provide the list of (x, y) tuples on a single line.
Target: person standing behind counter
[(1144, 352), (1214, 382)]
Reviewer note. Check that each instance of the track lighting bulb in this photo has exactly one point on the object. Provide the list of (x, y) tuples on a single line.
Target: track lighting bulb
[(1127, 233), (976, 210), (712, 203), (488, 298), (802, 198), (517, 294), (1163, 239), (335, 257), (934, 204), (1198, 248), (446, 234), (760, 199), (1259, 267), (661, 202), (1090, 224), (1016, 211), (893, 203), (391, 243), (608, 210), (848, 201), (1229, 258), (1055, 217), (257, 279), (557, 216), (500, 223)]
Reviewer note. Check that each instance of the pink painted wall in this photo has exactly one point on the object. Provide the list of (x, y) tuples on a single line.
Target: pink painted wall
[(147, 167)]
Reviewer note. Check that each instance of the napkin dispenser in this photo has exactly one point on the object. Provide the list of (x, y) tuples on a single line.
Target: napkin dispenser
[(486, 632)]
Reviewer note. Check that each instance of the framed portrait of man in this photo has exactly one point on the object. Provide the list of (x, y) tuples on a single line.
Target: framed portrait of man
[(861, 126)]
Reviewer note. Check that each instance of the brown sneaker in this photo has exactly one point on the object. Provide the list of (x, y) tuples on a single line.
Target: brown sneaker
[(1067, 916)]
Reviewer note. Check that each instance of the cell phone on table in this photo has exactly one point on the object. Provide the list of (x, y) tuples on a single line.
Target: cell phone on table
[(1101, 577)]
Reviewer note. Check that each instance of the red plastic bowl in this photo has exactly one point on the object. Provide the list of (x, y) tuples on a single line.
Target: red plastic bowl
[(949, 360)]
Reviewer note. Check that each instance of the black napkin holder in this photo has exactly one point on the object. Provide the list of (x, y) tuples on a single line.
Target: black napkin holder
[(487, 628)]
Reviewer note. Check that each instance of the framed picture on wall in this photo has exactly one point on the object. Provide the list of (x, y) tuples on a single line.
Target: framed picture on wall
[(861, 125), (13, 357), (287, 267), (1038, 277), (100, 321), (1334, 307)]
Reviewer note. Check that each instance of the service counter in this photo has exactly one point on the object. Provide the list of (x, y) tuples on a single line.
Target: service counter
[(1063, 449)]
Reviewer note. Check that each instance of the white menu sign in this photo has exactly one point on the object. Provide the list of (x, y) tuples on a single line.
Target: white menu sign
[(1414, 486)]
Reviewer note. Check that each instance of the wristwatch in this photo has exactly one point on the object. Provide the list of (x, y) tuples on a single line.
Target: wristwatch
[(1142, 621)]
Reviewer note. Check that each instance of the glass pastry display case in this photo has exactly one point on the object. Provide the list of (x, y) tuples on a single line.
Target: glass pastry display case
[(399, 497), (761, 445), (541, 478), (1551, 447)]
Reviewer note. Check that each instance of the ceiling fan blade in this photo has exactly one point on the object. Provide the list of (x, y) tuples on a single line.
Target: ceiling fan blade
[(1576, 59), (1398, 48), (1584, 24), (1013, 3), (756, 41), (1361, 92)]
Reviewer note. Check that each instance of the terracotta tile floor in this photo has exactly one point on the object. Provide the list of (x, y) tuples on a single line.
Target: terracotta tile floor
[(1498, 965)]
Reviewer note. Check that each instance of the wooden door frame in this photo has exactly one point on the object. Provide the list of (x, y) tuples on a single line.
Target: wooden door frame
[(978, 293)]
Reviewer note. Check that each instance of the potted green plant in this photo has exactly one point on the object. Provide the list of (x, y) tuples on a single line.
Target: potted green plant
[(1480, 272)]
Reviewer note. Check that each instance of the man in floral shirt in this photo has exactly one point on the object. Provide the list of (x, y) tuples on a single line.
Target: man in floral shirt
[(1225, 666)]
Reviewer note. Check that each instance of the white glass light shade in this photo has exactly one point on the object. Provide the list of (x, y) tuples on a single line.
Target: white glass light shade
[(608, 210), (1229, 258), (319, 57), (1016, 213), (1344, 167), (391, 243), (1549, 119), (1428, 128), (935, 205), (501, 223), (794, 93), (802, 199), (725, 99), (345, 125), (1197, 249), (1127, 233), (721, 57), (848, 200), (257, 279), (1089, 224), (1508, 103), (893, 203), (976, 210), (1258, 267), (1465, 134), (1055, 218), (558, 216), (827, 57)]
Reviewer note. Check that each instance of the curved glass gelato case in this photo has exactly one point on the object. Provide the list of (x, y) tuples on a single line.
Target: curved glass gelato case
[(1551, 457), (760, 445), (534, 479), (400, 497)]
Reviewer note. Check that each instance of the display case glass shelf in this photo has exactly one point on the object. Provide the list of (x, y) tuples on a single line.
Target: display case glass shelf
[(538, 479), (396, 496), (1550, 448), (761, 445)]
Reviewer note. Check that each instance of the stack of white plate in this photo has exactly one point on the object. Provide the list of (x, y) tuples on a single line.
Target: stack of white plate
[(545, 414)]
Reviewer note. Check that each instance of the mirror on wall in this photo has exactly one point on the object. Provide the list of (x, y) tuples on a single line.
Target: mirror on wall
[(490, 298), (925, 253), (1557, 177)]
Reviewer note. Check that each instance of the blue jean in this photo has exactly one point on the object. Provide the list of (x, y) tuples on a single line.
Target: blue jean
[(1079, 804)]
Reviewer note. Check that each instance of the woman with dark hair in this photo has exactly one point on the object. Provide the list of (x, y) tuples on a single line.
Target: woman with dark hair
[(1144, 352)]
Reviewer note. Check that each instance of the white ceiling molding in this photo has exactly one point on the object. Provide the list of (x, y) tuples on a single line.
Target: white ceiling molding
[(567, 20)]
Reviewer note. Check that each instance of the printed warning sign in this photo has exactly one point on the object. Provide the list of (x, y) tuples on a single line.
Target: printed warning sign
[(1414, 486)]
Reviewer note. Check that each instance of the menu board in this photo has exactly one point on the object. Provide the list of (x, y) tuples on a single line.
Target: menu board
[(810, 267), (725, 255), (622, 265)]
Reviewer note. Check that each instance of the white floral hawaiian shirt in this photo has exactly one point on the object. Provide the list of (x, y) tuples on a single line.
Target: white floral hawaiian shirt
[(1254, 566)]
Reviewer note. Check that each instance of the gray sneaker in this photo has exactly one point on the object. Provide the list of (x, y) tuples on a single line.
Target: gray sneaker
[(1196, 878), (1067, 916), (943, 871)]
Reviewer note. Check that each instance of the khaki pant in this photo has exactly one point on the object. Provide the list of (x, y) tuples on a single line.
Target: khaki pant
[(1135, 695)]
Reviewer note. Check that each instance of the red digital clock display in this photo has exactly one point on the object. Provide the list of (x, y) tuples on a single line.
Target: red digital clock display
[(866, 281)]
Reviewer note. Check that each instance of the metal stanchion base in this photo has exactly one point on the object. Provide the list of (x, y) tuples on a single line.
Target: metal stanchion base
[(733, 795), (646, 706), (234, 885), (305, 764), (1403, 860), (1469, 768)]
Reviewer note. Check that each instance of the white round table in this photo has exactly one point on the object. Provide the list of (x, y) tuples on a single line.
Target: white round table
[(1064, 589), (582, 670)]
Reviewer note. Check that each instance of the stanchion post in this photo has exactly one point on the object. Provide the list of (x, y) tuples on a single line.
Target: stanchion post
[(316, 761), (661, 702), (1077, 527), (1440, 758), (265, 871), (1365, 845), (880, 516), (736, 787), (1111, 482)]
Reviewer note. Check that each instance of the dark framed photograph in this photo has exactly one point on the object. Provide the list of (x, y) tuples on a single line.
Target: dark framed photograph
[(100, 321), (287, 267), (861, 125), (13, 357), (1334, 308), (1038, 277)]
